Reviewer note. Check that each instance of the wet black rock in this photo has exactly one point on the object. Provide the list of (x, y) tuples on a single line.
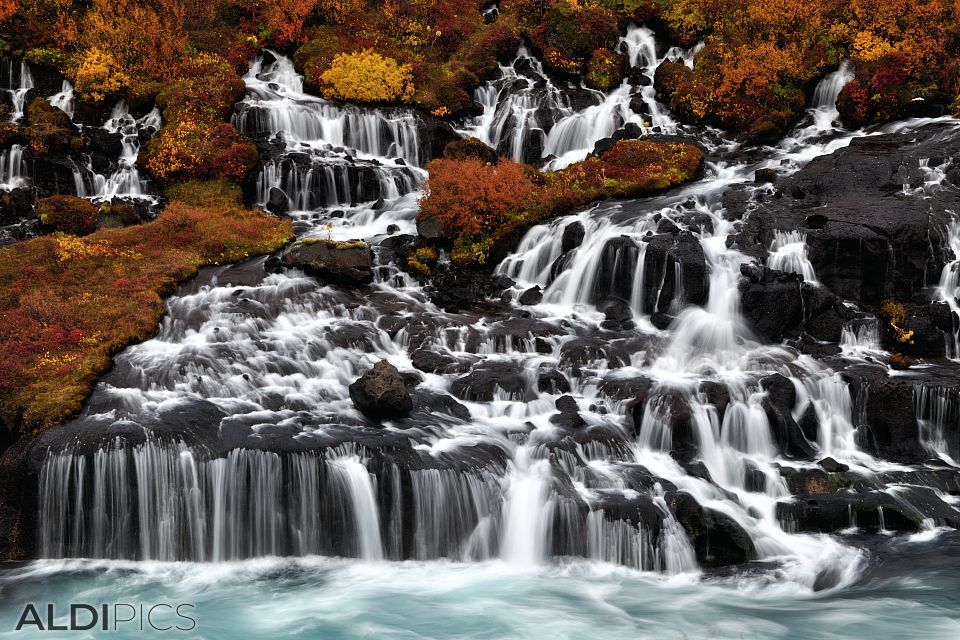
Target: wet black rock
[(532, 296), (781, 396), (717, 539), (866, 239), (765, 175), (572, 237), (430, 361), (487, 378), (771, 303), (552, 381), (345, 263), (277, 203), (832, 466), (665, 256), (890, 429), (381, 393), (457, 291)]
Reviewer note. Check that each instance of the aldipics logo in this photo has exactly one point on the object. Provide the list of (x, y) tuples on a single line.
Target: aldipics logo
[(109, 617)]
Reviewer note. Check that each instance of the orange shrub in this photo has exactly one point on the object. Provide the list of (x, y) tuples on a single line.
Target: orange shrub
[(366, 76)]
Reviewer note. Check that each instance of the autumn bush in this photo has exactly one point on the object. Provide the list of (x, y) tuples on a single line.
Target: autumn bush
[(482, 208), (604, 70), (68, 214), (366, 76), (67, 303), (98, 75)]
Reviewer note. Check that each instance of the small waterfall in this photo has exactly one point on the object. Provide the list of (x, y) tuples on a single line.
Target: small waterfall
[(788, 253), (938, 414), (861, 336), (824, 107), (126, 181), (527, 511), (12, 168), (351, 474), (519, 106), (333, 155), (949, 289), (17, 81), (64, 100), (641, 46)]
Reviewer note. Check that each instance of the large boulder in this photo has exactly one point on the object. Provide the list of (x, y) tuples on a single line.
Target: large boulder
[(771, 302), (348, 263), (666, 256), (381, 394)]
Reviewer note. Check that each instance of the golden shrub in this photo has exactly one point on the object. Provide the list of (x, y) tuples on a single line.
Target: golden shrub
[(99, 75), (366, 76)]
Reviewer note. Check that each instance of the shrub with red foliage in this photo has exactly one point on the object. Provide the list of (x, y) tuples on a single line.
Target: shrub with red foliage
[(471, 198), (68, 214), (484, 208)]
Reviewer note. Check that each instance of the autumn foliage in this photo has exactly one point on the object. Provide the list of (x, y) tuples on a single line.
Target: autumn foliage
[(481, 206), (68, 214), (366, 76), (67, 303)]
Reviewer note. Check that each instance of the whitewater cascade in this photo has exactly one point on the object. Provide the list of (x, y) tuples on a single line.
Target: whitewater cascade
[(530, 118), (659, 445), (17, 80), (324, 154)]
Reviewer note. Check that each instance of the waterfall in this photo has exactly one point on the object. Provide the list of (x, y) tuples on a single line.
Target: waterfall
[(824, 107), (355, 480), (519, 106), (949, 289), (788, 253), (64, 99), (17, 80), (331, 154), (126, 181), (938, 414), (641, 45), (528, 511), (12, 168)]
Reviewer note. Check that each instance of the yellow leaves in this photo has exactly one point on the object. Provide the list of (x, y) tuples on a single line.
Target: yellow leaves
[(67, 248), (867, 46), (366, 76), (99, 75)]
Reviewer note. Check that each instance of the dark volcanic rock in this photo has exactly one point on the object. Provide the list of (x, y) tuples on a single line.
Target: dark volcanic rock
[(277, 203), (771, 302), (717, 539), (572, 237), (345, 263), (381, 394), (532, 296), (456, 291), (664, 253), (778, 405), (866, 239)]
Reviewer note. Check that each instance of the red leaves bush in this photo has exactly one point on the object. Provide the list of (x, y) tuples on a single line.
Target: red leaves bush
[(68, 214), (482, 207)]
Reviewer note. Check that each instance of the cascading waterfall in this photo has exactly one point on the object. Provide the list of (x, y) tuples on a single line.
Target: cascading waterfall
[(64, 100), (938, 412), (518, 108), (500, 472), (17, 81), (788, 253), (825, 113), (12, 169), (334, 154), (949, 289), (126, 181)]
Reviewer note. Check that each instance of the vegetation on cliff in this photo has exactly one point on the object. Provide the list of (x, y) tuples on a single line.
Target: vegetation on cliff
[(481, 206), (67, 303)]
